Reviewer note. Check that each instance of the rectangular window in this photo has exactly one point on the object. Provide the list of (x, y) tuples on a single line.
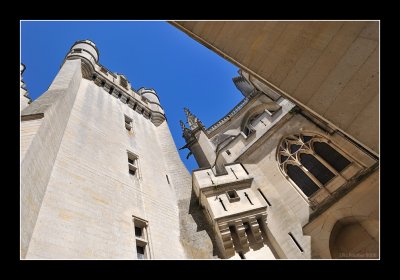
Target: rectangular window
[(132, 164), (265, 198), (232, 196), (295, 241), (128, 123), (140, 253), (138, 232), (141, 238)]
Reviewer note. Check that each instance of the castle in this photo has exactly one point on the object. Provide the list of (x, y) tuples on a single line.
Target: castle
[(101, 177)]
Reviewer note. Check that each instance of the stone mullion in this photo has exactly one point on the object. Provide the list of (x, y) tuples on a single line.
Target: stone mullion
[(308, 173)]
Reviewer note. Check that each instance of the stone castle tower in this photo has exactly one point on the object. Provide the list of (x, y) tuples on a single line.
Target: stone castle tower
[(101, 177)]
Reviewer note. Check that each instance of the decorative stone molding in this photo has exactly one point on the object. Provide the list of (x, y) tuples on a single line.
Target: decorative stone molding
[(226, 214), (88, 53)]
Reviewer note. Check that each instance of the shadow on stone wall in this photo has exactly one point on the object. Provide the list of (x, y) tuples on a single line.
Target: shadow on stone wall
[(196, 233)]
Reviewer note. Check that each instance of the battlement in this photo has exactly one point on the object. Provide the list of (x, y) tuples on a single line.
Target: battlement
[(145, 101)]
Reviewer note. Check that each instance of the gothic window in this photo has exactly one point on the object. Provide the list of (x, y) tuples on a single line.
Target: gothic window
[(309, 162), (331, 156), (316, 168)]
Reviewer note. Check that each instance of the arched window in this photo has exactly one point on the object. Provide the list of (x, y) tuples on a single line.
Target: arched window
[(309, 161), (316, 168), (331, 156), (301, 180)]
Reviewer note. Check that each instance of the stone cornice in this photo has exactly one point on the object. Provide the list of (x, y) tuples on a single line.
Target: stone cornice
[(231, 113), (128, 98)]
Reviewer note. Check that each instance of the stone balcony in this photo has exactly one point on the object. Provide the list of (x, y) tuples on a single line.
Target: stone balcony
[(231, 206)]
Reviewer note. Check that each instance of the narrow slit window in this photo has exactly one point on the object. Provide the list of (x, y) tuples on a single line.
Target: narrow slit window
[(222, 203), (244, 168), (167, 179), (265, 198), (248, 198), (296, 242)]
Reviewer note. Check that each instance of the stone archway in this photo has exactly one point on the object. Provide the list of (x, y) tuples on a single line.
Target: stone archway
[(353, 238)]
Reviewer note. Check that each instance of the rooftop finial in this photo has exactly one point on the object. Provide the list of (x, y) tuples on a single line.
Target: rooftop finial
[(183, 126), (192, 120), (187, 133)]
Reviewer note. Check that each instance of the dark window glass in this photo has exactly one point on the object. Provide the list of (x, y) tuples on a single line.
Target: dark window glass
[(302, 180), (294, 148), (232, 194), (130, 160), (306, 138), (140, 252), (331, 156), (283, 158), (132, 172), (316, 168), (138, 232)]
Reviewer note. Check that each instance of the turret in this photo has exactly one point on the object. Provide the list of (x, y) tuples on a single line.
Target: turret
[(197, 140), (85, 50), (151, 97)]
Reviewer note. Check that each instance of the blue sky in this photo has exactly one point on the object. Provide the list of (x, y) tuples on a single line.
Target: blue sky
[(151, 54)]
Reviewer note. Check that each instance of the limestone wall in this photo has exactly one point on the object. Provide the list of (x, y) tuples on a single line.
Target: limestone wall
[(289, 211), (91, 197), (37, 162)]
